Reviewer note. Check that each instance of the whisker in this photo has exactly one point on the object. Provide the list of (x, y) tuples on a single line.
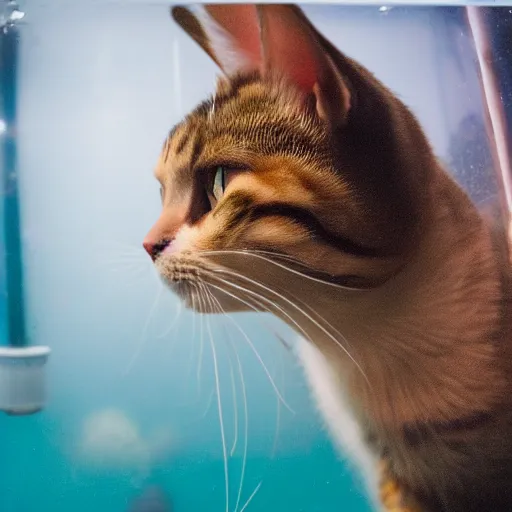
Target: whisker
[(141, 343), (246, 412), (258, 356), (271, 254), (179, 310), (126, 255), (131, 256), (195, 319), (304, 333), (124, 260), (200, 357), (246, 429), (278, 425), (118, 265), (292, 320), (220, 410), (251, 497), (219, 309), (269, 260), (260, 359), (192, 346), (128, 278), (235, 408), (297, 308), (208, 405), (193, 301), (253, 348), (272, 331), (255, 254), (118, 244), (295, 298), (288, 347)]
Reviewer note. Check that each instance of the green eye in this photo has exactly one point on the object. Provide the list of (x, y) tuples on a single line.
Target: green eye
[(162, 193), (219, 183)]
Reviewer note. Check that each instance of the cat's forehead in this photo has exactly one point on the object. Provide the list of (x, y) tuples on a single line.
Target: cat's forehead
[(245, 116)]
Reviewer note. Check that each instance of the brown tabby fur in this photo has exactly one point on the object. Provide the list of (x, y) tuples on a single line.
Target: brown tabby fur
[(391, 261)]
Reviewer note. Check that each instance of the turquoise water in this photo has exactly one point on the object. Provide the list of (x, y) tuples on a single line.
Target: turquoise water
[(132, 392), (195, 481), (45, 467)]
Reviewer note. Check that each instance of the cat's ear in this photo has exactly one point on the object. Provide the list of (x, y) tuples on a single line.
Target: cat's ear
[(191, 25), (270, 39), (241, 24), (230, 35), (291, 48)]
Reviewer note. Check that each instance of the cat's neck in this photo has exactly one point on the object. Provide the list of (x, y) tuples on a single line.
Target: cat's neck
[(422, 341)]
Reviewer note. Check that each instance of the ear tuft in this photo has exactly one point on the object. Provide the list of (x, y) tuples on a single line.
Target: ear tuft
[(191, 25)]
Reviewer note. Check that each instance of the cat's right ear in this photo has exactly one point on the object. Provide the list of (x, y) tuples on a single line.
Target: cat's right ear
[(292, 48), (229, 34)]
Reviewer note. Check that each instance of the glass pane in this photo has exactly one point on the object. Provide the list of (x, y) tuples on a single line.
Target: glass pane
[(150, 403)]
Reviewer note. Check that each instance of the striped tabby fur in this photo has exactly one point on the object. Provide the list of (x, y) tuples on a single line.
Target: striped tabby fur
[(304, 187)]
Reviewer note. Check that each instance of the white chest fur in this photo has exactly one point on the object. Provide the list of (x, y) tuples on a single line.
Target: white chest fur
[(330, 399)]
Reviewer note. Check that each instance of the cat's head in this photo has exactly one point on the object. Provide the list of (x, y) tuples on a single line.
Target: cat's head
[(300, 164)]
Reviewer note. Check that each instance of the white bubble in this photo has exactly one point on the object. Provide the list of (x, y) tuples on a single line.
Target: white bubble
[(110, 438), (17, 15), (3, 126)]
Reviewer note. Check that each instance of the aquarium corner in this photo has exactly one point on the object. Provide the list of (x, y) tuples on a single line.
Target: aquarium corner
[(23, 379)]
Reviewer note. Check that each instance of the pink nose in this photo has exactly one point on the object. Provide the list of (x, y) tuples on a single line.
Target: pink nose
[(148, 246), (154, 249)]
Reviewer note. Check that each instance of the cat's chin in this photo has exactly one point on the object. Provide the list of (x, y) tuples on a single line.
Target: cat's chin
[(190, 278), (201, 298), (198, 296)]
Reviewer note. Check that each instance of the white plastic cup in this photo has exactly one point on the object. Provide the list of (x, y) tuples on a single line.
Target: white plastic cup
[(22, 379)]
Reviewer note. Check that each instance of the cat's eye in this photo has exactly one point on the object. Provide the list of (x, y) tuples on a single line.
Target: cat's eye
[(219, 179), (161, 193), (219, 183)]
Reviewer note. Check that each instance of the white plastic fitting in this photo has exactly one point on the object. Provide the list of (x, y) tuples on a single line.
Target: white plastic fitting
[(22, 379)]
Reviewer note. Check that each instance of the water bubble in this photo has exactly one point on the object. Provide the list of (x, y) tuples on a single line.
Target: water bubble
[(111, 439), (17, 15)]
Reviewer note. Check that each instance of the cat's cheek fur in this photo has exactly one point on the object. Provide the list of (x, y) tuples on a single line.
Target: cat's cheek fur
[(276, 232), (185, 240)]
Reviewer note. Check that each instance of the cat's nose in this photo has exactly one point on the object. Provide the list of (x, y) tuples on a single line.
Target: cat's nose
[(154, 249), (163, 232)]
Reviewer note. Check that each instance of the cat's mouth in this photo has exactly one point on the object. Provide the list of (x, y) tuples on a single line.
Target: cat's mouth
[(233, 281), (183, 276), (197, 284)]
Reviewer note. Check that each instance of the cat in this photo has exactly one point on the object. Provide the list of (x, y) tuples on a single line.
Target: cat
[(305, 188)]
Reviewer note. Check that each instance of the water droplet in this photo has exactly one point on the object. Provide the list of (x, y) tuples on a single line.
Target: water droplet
[(17, 15)]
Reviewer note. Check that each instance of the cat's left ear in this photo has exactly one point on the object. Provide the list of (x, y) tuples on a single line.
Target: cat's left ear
[(278, 39), (271, 39), (291, 48)]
